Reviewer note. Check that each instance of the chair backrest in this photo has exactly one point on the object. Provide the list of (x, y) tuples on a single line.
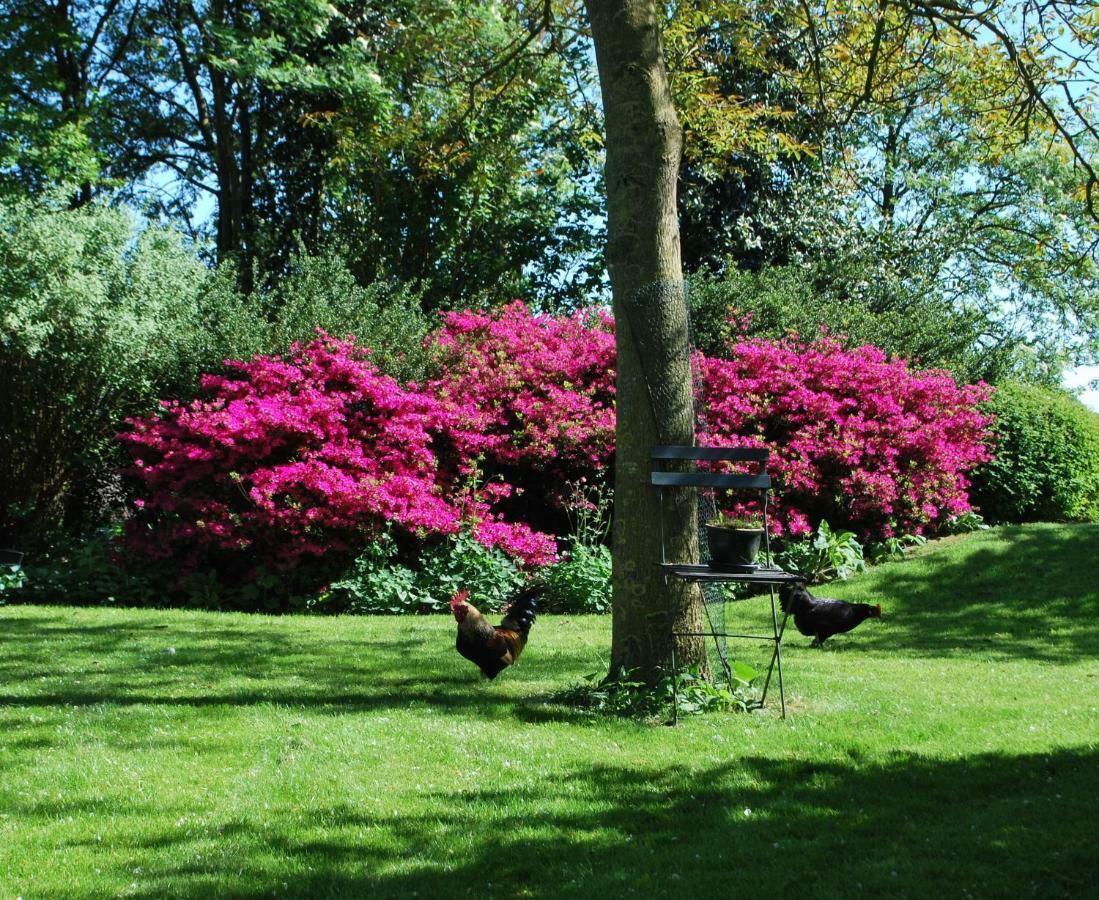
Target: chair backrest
[(760, 482), (671, 452)]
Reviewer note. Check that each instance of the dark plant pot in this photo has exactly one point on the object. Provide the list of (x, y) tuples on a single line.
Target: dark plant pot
[(733, 549)]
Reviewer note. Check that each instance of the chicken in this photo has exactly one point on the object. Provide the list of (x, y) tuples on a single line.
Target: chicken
[(820, 618), (493, 648)]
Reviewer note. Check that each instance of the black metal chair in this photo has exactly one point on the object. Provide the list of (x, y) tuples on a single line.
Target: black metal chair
[(11, 558), (765, 574)]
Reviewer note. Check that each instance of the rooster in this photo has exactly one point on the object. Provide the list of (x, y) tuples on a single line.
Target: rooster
[(493, 648), (819, 618)]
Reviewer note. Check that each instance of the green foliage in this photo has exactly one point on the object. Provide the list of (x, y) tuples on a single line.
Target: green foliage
[(375, 583), (894, 548), (53, 120), (852, 297), (99, 320), (1046, 464), (581, 581), (822, 556), (96, 322), (378, 582), (914, 194), (461, 563), (622, 694), (965, 523), (419, 133), (319, 291), (12, 577), (86, 571)]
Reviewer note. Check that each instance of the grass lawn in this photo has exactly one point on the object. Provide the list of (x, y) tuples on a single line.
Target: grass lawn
[(948, 750)]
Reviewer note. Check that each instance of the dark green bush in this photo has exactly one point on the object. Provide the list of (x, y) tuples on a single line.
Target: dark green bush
[(320, 292), (1047, 459), (85, 571)]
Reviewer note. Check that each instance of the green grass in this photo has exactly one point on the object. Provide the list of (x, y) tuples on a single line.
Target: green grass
[(949, 750)]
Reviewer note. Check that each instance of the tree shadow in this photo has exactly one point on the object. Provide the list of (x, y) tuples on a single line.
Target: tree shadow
[(210, 665), (989, 825), (1031, 596)]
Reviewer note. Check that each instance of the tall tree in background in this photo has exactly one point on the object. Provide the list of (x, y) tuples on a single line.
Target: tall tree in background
[(898, 156), (387, 129), (748, 126), (61, 117), (958, 138)]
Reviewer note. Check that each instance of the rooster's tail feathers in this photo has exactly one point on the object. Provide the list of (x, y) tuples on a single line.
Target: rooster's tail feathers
[(522, 611)]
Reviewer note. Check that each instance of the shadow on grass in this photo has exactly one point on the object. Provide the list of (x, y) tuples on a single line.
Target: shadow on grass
[(982, 826), (130, 664), (1028, 592)]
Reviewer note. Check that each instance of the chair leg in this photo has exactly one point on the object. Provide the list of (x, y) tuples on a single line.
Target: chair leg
[(781, 688), (776, 656), (675, 688)]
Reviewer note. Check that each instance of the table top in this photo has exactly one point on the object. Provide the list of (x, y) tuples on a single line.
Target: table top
[(760, 575)]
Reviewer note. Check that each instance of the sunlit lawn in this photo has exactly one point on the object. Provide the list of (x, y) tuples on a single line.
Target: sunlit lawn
[(948, 750)]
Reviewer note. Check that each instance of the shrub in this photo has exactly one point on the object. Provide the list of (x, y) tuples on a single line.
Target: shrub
[(856, 439), (580, 582), (97, 320), (86, 571), (462, 562), (12, 578), (293, 458), (378, 582), (316, 453), (1046, 464), (847, 298), (319, 291)]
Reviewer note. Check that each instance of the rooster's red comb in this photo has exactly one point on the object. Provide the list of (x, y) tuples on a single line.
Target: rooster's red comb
[(459, 598)]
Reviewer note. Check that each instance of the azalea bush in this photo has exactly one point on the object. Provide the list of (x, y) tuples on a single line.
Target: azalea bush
[(290, 459), (301, 461), (535, 398), (856, 438)]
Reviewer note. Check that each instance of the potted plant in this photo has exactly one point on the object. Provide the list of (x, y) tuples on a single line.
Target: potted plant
[(734, 542)]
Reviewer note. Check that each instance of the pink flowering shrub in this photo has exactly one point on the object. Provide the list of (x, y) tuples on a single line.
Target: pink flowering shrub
[(291, 458), (534, 395), (856, 439), (286, 459)]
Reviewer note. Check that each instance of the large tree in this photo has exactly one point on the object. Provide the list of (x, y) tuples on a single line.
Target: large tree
[(60, 107), (643, 146), (1047, 79)]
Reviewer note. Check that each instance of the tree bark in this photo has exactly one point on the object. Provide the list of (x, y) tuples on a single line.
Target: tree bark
[(655, 405)]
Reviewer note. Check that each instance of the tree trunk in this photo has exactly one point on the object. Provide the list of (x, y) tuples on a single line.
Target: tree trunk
[(644, 142)]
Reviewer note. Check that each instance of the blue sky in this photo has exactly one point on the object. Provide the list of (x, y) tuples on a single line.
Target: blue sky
[(1080, 377)]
